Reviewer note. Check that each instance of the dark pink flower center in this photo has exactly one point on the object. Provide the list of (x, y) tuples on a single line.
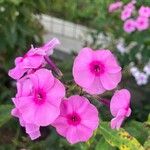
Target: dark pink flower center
[(97, 68), (129, 25), (141, 23), (73, 119), (39, 96)]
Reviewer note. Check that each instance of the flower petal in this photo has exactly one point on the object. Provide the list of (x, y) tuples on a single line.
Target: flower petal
[(96, 87), (53, 96), (42, 79), (81, 70), (45, 114), (110, 81), (120, 100), (61, 125)]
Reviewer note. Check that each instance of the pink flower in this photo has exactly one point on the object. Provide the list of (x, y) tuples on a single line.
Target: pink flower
[(96, 71), (120, 107), (142, 23), (115, 6), (38, 99), (77, 120), (126, 13), (144, 11), (130, 5), (32, 129), (129, 25), (33, 59)]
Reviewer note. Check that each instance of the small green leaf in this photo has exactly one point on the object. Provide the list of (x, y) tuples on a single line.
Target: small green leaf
[(121, 139), (103, 145), (5, 113)]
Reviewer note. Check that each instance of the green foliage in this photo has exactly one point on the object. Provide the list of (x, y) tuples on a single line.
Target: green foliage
[(19, 28), (121, 139), (137, 129), (82, 12), (5, 114), (103, 145)]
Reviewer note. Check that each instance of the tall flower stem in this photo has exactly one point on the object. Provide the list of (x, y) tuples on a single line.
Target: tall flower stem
[(53, 66), (106, 102)]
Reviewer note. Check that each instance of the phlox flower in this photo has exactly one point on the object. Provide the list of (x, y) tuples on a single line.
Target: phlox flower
[(134, 71), (127, 11), (77, 120), (125, 14), (120, 107), (121, 48), (96, 71), (120, 45), (142, 23), (141, 78), (130, 5), (115, 6), (144, 11), (31, 129), (129, 26), (33, 59), (38, 98)]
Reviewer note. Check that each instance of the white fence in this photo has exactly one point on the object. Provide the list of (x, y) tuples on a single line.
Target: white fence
[(72, 36)]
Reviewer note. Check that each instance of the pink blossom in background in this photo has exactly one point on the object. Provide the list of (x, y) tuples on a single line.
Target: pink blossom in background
[(142, 23), (126, 13), (96, 71), (129, 25), (37, 99), (115, 6), (130, 6), (77, 120), (133, 1), (144, 11), (33, 59), (120, 107)]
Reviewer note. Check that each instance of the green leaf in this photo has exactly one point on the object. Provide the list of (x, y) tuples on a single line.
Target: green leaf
[(121, 139), (5, 113), (137, 131), (103, 145)]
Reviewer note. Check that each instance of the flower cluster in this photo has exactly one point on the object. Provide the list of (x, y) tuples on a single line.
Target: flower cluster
[(40, 100), (141, 77), (134, 19)]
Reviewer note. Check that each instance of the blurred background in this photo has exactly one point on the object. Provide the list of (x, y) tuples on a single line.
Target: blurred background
[(76, 23)]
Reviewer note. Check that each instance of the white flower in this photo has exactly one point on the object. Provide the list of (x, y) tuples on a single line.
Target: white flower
[(121, 48), (134, 71), (147, 69), (141, 78)]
